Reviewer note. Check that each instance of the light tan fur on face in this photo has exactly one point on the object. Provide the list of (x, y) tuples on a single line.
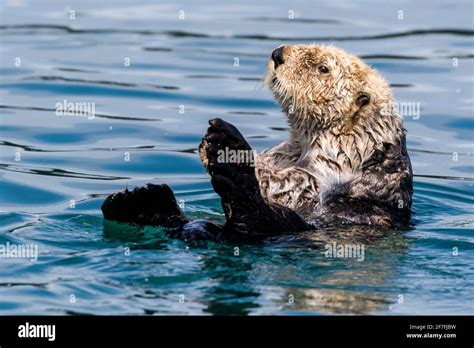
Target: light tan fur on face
[(331, 135)]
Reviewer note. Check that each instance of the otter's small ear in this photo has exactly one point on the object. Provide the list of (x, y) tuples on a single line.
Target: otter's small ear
[(363, 100)]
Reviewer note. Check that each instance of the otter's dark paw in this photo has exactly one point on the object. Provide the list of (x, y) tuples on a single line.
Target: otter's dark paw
[(230, 162), (151, 205), (200, 230)]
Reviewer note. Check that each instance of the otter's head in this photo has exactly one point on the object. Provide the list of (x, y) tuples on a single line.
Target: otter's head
[(323, 87)]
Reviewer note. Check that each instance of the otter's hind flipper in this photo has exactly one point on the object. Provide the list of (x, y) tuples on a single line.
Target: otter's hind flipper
[(249, 217), (153, 205)]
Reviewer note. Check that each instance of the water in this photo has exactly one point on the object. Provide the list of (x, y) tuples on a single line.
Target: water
[(188, 65)]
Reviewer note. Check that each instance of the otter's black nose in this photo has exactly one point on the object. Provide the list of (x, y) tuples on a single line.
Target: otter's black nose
[(277, 56)]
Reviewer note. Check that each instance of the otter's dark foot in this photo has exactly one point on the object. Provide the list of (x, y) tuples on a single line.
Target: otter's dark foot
[(230, 162), (200, 230), (151, 205)]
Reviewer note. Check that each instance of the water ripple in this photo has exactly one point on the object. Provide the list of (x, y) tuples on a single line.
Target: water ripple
[(56, 172), (36, 29), (113, 117), (101, 82)]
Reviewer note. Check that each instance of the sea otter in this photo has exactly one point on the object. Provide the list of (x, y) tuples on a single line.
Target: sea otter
[(345, 160)]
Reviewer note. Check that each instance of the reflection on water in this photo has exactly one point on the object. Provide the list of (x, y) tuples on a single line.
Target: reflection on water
[(155, 80)]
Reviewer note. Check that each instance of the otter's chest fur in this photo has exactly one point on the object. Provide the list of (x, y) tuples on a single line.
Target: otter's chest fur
[(336, 159)]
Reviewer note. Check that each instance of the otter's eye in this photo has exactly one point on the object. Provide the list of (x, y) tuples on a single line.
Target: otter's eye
[(323, 69)]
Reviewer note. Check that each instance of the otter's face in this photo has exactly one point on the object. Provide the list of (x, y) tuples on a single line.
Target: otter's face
[(324, 86)]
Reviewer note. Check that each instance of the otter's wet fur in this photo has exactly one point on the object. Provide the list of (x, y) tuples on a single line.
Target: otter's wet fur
[(345, 160), (346, 145)]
